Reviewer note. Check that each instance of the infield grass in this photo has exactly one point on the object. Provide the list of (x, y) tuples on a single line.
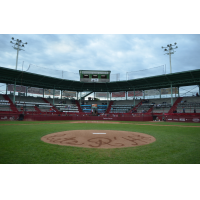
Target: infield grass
[(20, 143)]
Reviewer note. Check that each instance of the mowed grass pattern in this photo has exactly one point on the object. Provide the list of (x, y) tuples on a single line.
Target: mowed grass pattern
[(20, 143)]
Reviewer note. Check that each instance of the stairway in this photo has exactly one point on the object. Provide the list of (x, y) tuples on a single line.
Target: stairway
[(174, 107), (150, 110), (109, 106), (12, 106), (50, 105), (37, 109), (79, 107), (136, 107)]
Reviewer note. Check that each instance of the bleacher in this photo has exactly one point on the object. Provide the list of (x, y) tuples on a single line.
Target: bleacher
[(88, 108), (28, 103), (159, 105), (123, 106), (68, 108), (189, 104), (4, 104)]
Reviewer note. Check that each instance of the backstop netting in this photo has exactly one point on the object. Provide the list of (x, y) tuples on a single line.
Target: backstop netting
[(154, 71), (61, 73)]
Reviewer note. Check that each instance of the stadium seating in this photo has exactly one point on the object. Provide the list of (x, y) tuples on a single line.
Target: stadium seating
[(37, 104), (122, 106), (189, 104), (159, 105)]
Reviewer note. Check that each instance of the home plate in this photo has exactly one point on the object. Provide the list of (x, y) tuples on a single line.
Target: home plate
[(99, 133)]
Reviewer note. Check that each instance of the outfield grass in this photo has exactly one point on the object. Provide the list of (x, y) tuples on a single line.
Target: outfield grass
[(20, 142)]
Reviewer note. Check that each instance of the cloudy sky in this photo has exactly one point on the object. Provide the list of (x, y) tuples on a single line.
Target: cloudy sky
[(120, 53), (108, 35)]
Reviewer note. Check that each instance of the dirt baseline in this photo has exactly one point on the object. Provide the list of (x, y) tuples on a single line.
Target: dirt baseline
[(98, 138)]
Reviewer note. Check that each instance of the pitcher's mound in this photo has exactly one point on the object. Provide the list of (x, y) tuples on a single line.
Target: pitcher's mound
[(98, 138)]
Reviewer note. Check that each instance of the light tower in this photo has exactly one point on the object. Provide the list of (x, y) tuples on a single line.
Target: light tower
[(170, 50), (17, 46)]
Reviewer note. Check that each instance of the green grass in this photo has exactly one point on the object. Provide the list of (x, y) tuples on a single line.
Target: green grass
[(20, 144)]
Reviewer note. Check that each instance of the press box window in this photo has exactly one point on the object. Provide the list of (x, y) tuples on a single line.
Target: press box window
[(103, 76), (94, 76), (85, 76)]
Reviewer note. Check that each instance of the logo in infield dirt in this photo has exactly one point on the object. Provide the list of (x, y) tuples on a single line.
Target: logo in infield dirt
[(111, 139)]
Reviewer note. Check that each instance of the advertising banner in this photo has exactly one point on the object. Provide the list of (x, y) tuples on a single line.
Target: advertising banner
[(152, 92), (118, 94), (50, 92), (137, 93), (68, 94), (94, 105), (168, 90), (101, 94), (34, 90), (19, 88)]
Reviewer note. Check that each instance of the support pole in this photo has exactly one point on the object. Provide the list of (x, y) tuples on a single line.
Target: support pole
[(17, 56), (134, 98), (107, 98), (6, 88), (27, 91), (170, 61), (178, 92), (171, 96), (77, 95), (80, 98), (199, 89), (43, 92), (14, 92), (53, 94), (160, 93)]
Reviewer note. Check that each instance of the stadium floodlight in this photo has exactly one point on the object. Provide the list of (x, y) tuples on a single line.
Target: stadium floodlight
[(170, 50), (18, 44)]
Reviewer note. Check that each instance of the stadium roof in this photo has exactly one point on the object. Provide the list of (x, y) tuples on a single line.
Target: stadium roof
[(185, 78)]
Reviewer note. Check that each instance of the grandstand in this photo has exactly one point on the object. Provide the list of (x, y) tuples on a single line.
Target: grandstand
[(77, 105)]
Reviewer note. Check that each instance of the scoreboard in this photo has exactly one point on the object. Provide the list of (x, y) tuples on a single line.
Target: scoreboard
[(96, 76)]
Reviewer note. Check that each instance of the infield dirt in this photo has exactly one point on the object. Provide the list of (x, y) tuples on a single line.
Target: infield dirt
[(99, 138)]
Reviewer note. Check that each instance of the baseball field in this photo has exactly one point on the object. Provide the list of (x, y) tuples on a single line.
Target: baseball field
[(173, 143)]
